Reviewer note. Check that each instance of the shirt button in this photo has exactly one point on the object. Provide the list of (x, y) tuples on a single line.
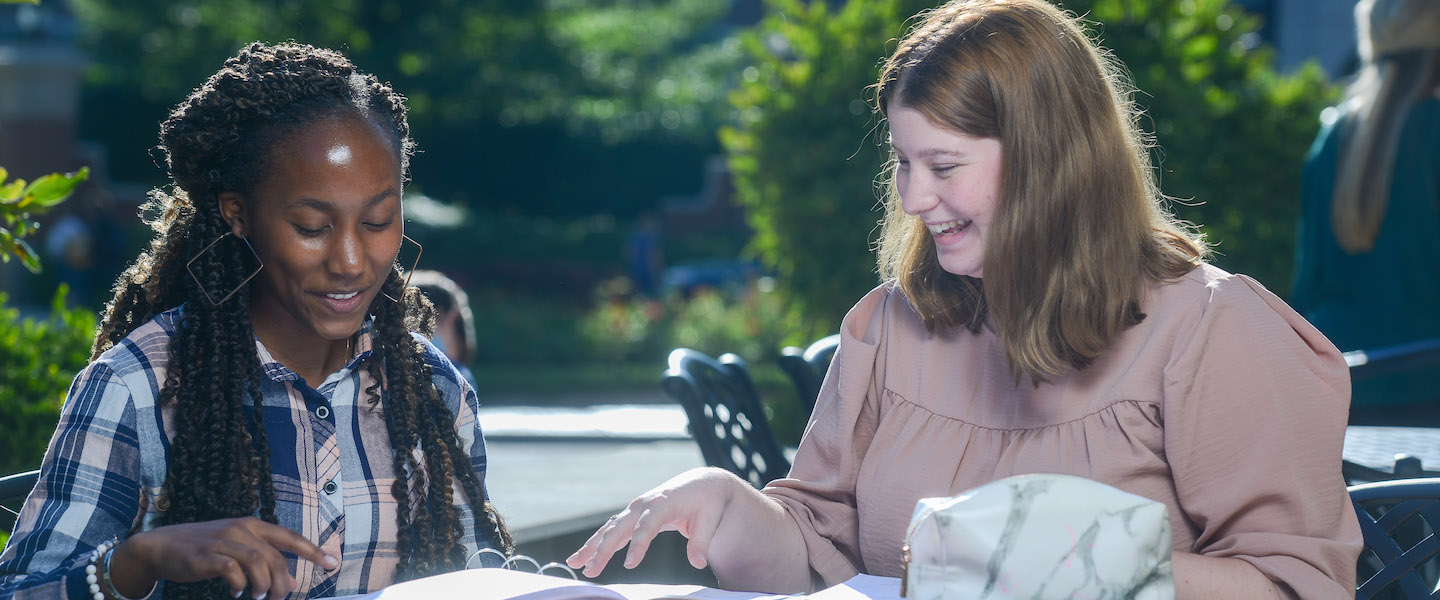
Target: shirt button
[(322, 412), (330, 487)]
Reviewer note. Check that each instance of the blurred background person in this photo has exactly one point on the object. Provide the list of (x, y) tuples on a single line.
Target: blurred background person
[(454, 321), (1367, 273)]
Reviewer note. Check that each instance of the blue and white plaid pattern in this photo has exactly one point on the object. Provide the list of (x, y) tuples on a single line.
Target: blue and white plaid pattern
[(104, 470)]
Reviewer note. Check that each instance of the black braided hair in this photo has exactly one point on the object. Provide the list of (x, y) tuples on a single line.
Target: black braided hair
[(220, 139)]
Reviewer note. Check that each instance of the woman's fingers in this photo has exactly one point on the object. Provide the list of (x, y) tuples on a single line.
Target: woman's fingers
[(612, 536), (246, 552), (228, 569), (701, 531), (288, 541), (647, 526), (586, 552), (257, 572)]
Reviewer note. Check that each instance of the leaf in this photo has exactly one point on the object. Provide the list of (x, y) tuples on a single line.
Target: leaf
[(27, 256), (52, 189), (3, 174), (10, 192)]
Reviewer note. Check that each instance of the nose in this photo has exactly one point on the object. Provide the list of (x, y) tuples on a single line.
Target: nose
[(347, 255), (917, 194)]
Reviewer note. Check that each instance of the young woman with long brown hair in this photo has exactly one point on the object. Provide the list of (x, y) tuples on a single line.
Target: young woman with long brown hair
[(1041, 313)]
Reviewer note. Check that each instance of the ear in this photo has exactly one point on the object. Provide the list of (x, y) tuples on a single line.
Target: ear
[(232, 209)]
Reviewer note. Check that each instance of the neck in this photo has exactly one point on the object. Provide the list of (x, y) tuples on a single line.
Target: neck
[(311, 361)]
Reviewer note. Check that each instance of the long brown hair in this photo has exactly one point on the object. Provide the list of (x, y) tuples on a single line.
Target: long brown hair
[(1080, 224), (1400, 55)]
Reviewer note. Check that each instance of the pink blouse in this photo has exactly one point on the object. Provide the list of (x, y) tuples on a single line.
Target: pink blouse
[(1223, 403)]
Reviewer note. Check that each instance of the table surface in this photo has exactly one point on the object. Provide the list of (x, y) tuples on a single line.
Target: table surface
[(1376, 447), (544, 487)]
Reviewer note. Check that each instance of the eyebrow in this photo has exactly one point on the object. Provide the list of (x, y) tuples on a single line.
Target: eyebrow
[(932, 152), (325, 205)]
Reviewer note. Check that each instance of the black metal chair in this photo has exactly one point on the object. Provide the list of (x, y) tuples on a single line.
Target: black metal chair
[(726, 417), (807, 366), (1398, 520), (13, 491)]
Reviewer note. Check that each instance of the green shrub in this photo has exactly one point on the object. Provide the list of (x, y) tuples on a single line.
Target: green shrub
[(39, 360), (622, 327), (523, 328), (1232, 131), (804, 159), (802, 163), (751, 325)]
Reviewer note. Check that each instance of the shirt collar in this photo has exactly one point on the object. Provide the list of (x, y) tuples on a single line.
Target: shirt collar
[(364, 346)]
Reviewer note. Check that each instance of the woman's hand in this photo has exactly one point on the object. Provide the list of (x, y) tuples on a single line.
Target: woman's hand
[(692, 503), (743, 535), (245, 552)]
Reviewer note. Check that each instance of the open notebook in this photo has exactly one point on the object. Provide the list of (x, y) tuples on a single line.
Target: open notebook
[(496, 584)]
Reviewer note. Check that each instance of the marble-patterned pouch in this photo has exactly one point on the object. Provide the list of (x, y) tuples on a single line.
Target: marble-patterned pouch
[(1039, 536)]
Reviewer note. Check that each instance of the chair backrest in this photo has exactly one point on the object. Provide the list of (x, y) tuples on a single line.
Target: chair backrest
[(726, 417), (807, 366), (1422, 354), (1398, 520), (1406, 467), (13, 491)]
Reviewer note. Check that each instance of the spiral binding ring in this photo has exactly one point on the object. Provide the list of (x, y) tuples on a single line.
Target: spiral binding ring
[(482, 552), (510, 562), (562, 566)]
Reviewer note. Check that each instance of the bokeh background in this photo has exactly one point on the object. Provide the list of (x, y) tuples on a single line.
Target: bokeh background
[(610, 179)]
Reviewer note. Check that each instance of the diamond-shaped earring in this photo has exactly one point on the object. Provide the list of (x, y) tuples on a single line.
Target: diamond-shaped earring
[(189, 266), (408, 274)]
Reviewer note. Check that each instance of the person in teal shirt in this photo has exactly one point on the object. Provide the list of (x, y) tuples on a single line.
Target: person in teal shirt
[(1368, 261)]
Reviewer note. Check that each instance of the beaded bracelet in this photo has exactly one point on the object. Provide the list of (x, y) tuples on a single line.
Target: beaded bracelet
[(91, 570), (97, 573)]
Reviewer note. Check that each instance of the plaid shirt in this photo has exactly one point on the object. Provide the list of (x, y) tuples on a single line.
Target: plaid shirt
[(329, 452)]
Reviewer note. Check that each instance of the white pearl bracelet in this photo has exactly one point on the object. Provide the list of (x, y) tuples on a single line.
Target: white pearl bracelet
[(92, 575)]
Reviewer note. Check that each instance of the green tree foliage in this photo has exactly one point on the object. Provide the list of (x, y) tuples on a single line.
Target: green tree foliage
[(19, 201), (802, 154), (805, 159), (1232, 131), (520, 105), (39, 360)]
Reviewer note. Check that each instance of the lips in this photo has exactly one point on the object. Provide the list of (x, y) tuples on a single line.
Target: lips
[(948, 227), (341, 301)]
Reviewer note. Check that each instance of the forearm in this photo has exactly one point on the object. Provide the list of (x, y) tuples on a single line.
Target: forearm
[(758, 547), (132, 576), (1203, 577)]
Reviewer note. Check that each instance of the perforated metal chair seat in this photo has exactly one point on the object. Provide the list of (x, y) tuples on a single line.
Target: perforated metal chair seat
[(725, 414)]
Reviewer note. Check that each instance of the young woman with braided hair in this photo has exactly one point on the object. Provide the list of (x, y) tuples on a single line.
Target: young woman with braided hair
[(258, 417)]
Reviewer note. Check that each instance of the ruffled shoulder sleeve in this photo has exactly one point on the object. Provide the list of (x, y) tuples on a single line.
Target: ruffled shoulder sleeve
[(1256, 401), (819, 493)]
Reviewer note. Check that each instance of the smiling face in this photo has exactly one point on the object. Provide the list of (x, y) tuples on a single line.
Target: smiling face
[(950, 181), (326, 221)]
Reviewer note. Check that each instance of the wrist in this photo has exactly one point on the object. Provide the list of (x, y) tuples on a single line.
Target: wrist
[(129, 573)]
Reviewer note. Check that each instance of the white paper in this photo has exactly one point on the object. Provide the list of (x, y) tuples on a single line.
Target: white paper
[(862, 587), (495, 584)]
